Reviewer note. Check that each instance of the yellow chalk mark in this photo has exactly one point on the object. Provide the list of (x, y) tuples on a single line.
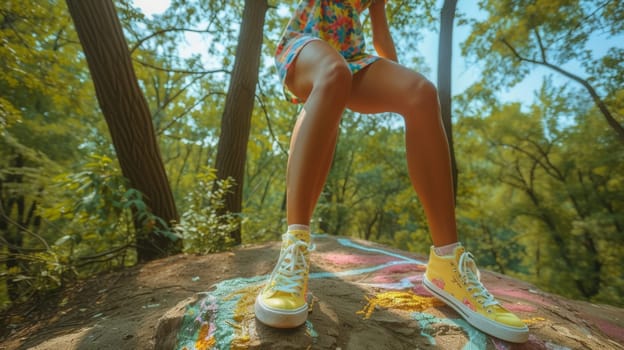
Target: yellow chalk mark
[(243, 313), (311, 306), (202, 343), (533, 320), (398, 300), (240, 342)]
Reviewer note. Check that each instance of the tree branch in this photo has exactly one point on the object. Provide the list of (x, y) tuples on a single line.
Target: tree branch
[(585, 19), (175, 119), (24, 229), (20, 249), (111, 251), (169, 99), (541, 45), (615, 125), (266, 115), (163, 31), (183, 71)]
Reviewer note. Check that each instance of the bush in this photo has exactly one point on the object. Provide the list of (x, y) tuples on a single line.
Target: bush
[(204, 226)]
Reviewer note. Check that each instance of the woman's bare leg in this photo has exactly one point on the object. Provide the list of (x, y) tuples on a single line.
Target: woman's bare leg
[(389, 87), (451, 273), (321, 77)]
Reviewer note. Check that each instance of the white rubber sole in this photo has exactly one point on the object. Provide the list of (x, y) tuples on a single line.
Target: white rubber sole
[(278, 318), (482, 323)]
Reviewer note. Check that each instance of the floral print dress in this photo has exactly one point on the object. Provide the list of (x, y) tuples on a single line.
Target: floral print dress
[(334, 21)]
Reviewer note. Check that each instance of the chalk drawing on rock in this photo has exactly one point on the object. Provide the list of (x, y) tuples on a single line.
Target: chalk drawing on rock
[(476, 339), (224, 319)]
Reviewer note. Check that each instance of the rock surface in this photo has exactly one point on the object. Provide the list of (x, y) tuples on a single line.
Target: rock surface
[(365, 296)]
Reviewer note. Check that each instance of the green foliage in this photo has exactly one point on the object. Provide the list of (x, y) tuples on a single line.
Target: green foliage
[(43, 88), (518, 36), (540, 190), (30, 265), (38, 273), (372, 200), (545, 177), (97, 202), (96, 211), (541, 201), (204, 227)]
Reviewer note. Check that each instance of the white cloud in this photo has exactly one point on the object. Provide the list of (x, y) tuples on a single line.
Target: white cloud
[(152, 7)]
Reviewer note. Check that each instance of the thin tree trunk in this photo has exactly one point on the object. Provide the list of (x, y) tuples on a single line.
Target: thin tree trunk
[(239, 103), (127, 115), (12, 229), (445, 56)]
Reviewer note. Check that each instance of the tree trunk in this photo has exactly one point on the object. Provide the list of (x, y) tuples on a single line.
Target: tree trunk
[(445, 55), (127, 115), (12, 228), (239, 103)]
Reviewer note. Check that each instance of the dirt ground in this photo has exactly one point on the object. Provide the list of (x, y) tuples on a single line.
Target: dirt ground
[(366, 296)]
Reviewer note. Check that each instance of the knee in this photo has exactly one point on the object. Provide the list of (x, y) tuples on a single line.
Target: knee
[(334, 80), (420, 95)]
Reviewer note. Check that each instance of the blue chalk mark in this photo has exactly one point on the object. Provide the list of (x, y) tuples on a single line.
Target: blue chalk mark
[(215, 310), (311, 331), (348, 243), (476, 339), (404, 283), (360, 271), (424, 320), (193, 321)]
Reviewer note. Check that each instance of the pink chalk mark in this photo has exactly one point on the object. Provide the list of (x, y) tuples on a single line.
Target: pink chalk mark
[(414, 279), (354, 259), (401, 268), (532, 343), (422, 291), (396, 273), (520, 294), (499, 344), (519, 307), (383, 279), (612, 330)]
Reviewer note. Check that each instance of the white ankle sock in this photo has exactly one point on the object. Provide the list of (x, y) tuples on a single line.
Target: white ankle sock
[(446, 250), (298, 227)]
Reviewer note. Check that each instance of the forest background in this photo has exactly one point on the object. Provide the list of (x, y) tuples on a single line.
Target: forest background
[(540, 190)]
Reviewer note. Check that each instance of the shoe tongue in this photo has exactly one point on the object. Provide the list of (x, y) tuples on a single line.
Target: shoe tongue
[(459, 250)]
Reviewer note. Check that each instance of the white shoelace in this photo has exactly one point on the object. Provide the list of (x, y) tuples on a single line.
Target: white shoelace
[(291, 267), (469, 272)]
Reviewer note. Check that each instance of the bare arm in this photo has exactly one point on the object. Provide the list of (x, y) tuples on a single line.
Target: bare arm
[(382, 40)]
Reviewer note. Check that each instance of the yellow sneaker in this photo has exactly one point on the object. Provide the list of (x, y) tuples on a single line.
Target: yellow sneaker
[(282, 302), (456, 281)]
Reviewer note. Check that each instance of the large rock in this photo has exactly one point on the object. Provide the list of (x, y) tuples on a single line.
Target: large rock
[(366, 296)]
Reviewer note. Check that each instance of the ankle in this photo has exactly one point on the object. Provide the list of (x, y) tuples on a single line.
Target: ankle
[(446, 250), (300, 232)]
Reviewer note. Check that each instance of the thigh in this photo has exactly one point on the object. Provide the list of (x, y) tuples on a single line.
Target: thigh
[(314, 60), (385, 86)]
